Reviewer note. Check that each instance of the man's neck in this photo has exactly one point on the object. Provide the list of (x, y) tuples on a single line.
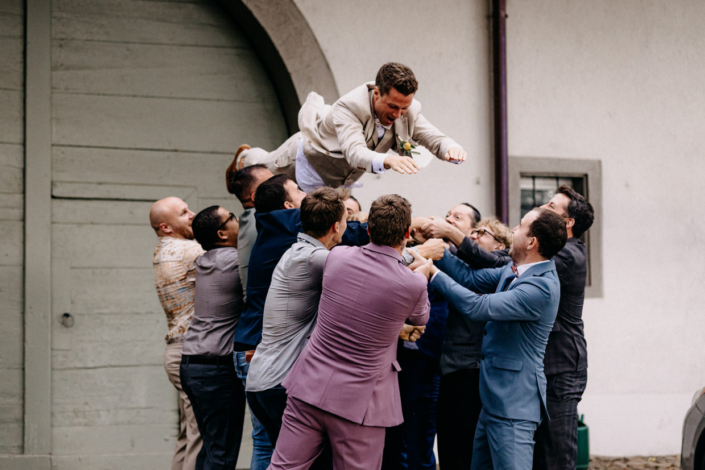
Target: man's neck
[(248, 205), (327, 241), (531, 258)]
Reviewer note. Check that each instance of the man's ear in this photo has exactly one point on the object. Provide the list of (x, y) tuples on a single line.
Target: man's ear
[(222, 235), (288, 205), (407, 234), (569, 222), (336, 227), (532, 244), (501, 246), (252, 197), (164, 228)]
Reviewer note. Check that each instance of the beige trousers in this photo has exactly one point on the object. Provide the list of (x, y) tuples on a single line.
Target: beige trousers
[(189, 442)]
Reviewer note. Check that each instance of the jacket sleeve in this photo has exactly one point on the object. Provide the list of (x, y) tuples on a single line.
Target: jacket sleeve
[(351, 136), (430, 137), (478, 258), (483, 281), (525, 302), (356, 234), (419, 316)]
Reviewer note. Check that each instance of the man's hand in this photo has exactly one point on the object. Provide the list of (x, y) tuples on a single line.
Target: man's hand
[(432, 249), (411, 332), (455, 154), (404, 165), (437, 227), (358, 217), (425, 268)]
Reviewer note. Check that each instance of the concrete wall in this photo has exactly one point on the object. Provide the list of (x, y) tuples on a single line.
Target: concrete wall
[(623, 82), (11, 223)]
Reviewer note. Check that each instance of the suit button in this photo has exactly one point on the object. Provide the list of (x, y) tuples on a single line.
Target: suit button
[(482, 357), (484, 333)]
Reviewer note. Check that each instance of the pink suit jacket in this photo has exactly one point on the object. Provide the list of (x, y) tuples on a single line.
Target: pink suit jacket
[(349, 366)]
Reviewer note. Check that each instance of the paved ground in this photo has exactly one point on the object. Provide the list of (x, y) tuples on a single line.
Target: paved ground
[(636, 462)]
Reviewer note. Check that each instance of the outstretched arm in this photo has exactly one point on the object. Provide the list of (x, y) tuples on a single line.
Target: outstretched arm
[(479, 258), (526, 302), (436, 142), (483, 281)]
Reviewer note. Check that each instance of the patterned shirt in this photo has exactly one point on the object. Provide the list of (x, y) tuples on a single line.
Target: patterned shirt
[(175, 277)]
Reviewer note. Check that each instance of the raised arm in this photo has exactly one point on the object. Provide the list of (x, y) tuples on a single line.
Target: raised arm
[(356, 234), (479, 258), (483, 281), (526, 302)]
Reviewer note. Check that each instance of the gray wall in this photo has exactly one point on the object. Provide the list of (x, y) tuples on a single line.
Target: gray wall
[(11, 223)]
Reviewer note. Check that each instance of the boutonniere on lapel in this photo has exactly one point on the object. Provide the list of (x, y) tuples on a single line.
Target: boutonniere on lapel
[(406, 148)]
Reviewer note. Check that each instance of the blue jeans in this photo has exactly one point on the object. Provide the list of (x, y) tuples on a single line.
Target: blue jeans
[(268, 407), (262, 448)]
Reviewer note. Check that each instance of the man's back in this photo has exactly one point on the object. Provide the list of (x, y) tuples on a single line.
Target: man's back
[(290, 312), (347, 368)]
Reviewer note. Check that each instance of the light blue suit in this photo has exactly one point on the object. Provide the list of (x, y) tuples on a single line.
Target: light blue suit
[(519, 318)]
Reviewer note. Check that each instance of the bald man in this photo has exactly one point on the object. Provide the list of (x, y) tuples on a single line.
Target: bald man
[(175, 276)]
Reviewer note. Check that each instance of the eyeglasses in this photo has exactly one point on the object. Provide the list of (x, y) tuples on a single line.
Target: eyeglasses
[(231, 217), (481, 233)]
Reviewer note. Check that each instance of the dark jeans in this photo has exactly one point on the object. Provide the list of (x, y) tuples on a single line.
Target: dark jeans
[(268, 406), (410, 445), (459, 409), (218, 400), (557, 438)]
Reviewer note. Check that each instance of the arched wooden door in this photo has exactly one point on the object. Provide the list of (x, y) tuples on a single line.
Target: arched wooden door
[(149, 99)]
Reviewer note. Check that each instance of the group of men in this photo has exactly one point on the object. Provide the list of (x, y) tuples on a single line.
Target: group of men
[(355, 356)]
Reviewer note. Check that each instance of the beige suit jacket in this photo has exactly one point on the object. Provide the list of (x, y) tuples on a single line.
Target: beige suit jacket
[(340, 141)]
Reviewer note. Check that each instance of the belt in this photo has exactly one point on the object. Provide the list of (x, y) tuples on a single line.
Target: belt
[(208, 360)]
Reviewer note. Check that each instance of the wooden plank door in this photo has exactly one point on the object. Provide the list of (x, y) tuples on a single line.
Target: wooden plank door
[(149, 99)]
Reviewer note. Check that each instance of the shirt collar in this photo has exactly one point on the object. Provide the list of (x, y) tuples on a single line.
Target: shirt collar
[(379, 124), (383, 249), (523, 268), (302, 237)]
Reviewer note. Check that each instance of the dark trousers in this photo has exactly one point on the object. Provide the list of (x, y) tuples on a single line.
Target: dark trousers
[(268, 406), (557, 437), (459, 407), (410, 445), (218, 400)]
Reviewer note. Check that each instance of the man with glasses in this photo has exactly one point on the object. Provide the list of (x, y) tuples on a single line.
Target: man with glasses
[(207, 370), (565, 361)]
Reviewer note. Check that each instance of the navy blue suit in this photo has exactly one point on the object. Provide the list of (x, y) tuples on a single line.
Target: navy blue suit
[(519, 315)]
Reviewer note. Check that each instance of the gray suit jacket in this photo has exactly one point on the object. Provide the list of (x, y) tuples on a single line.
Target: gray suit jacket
[(340, 141)]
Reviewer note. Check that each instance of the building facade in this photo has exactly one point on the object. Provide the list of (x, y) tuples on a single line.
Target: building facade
[(109, 105)]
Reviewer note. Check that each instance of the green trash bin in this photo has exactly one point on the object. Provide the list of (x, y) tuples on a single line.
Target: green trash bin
[(583, 460)]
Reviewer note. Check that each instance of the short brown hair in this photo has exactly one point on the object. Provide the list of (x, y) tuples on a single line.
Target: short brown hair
[(396, 75), (550, 230), (389, 219), (320, 209), (501, 232)]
